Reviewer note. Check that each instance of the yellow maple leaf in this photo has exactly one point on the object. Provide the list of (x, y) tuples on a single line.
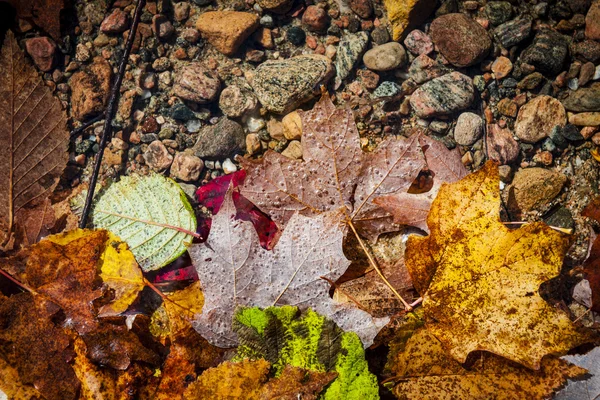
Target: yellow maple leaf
[(425, 371), (481, 280)]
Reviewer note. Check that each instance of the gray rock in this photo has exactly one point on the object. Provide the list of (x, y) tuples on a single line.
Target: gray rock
[(349, 51), (221, 140), (196, 83), (387, 89), (443, 96), (385, 57), (468, 129), (498, 12), (235, 102), (583, 99), (513, 32), (547, 53), (282, 85)]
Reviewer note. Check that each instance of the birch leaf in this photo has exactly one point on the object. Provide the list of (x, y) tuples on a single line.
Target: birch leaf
[(151, 214), (235, 270)]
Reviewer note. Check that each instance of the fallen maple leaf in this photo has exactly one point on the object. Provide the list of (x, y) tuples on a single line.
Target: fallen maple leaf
[(480, 281), (285, 338), (335, 173), (583, 388), (591, 266), (412, 209), (35, 347), (43, 13), (236, 271), (33, 224), (248, 380), (33, 135), (11, 386), (423, 370)]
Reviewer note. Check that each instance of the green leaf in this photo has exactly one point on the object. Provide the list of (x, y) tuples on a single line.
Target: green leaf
[(283, 336), (151, 214)]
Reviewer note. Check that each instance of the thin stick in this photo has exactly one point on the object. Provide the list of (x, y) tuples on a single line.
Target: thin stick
[(376, 267), (16, 282), (568, 231), (84, 126), (175, 228), (337, 287), (110, 112)]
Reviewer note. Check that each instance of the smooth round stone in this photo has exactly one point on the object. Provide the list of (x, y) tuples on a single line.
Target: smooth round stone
[(385, 57)]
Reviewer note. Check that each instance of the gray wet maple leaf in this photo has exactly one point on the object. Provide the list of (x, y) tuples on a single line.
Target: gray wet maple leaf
[(235, 270), (586, 389), (335, 173)]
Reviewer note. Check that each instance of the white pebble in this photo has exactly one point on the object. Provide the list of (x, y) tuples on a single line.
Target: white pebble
[(229, 167)]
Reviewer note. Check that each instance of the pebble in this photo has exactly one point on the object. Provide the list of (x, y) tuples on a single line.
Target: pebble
[(443, 96), (387, 89), (42, 50), (228, 166), (502, 67), (181, 11), (583, 99), (157, 156), (588, 50), (501, 146), (537, 118), (531, 81), (293, 150), (385, 57), (226, 30), (292, 126), (350, 49), (282, 85), (236, 102), (276, 6), (221, 140), (162, 27), (195, 82), (252, 143), (585, 119), (586, 73), (468, 129), (380, 35), (498, 12), (533, 188), (116, 22), (418, 42), (424, 69), (592, 22), (315, 19), (547, 53), (296, 36), (513, 32), (406, 13), (90, 89), (186, 167), (507, 107), (461, 40)]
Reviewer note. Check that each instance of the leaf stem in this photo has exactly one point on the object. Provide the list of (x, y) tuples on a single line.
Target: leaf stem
[(16, 282), (337, 287), (175, 228), (373, 263), (568, 231), (164, 296), (111, 109)]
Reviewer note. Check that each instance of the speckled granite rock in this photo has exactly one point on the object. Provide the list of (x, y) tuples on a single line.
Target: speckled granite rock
[(196, 83), (221, 140), (583, 99), (443, 96), (349, 51), (547, 53), (461, 40), (513, 32), (282, 85), (537, 118)]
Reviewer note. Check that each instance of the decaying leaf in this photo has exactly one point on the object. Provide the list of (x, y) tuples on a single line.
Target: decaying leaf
[(423, 370), (592, 264), (43, 13), (412, 209), (96, 382), (589, 387), (151, 214), (284, 337), (236, 271), (335, 173), (33, 135), (480, 281), (33, 224), (11, 386), (121, 273), (35, 347), (64, 268)]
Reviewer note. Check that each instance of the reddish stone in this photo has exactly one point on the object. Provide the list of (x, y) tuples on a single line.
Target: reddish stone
[(315, 19), (41, 50), (362, 8), (592, 22), (417, 42), (116, 22)]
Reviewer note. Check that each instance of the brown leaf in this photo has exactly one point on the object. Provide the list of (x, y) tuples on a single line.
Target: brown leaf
[(31, 343), (484, 284), (335, 172), (296, 383), (425, 371), (43, 13), (32, 224), (33, 134), (412, 209), (236, 271), (64, 268), (117, 347)]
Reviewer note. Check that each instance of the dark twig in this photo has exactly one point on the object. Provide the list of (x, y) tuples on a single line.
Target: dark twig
[(110, 112), (78, 131)]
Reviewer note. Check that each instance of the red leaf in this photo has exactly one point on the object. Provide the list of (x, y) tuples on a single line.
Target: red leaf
[(212, 194)]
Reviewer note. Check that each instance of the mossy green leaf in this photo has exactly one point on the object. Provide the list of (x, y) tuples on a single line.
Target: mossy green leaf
[(151, 214), (284, 336)]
